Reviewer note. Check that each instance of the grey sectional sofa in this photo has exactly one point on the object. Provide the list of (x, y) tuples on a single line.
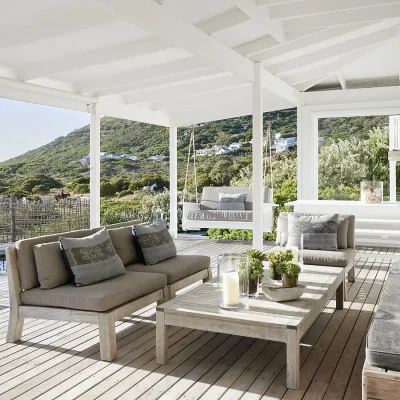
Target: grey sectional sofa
[(381, 372), (102, 303)]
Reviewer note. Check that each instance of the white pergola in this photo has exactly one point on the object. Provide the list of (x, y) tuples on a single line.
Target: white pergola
[(179, 62)]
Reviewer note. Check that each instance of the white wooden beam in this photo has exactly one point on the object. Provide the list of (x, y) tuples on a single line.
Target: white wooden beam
[(91, 57), (329, 52), (343, 17), (312, 7), (222, 21), (316, 40), (303, 86), (257, 158), (118, 81), (211, 85), (76, 19), (158, 20), (342, 79), (94, 167), (173, 181)]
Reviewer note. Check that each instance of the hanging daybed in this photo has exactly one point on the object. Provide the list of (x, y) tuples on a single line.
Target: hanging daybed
[(207, 215)]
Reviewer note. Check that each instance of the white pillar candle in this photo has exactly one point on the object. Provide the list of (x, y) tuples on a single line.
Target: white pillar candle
[(295, 252), (230, 288)]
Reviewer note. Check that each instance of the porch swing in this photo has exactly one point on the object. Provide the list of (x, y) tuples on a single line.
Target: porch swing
[(206, 214)]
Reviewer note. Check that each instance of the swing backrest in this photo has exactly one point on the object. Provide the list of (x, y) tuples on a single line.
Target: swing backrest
[(210, 195)]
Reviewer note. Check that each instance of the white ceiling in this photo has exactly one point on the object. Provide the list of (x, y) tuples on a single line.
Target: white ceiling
[(191, 60)]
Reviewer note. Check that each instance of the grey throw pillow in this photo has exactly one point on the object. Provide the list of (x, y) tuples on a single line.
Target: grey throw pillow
[(320, 241), (156, 244), (232, 201), (323, 225), (91, 259)]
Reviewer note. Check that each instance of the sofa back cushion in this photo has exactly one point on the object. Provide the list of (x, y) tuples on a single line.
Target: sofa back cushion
[(230, 201), (122, 239), (26, 256), (91, 259), (123, 224), (210, 196), (51, 268)]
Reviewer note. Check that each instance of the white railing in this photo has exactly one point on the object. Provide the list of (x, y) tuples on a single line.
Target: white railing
[(394, 132)]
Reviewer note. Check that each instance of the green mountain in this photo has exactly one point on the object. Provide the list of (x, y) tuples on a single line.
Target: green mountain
[(57, 163)]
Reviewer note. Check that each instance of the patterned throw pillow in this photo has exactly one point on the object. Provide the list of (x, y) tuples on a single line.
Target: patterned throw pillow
[(155, 242), (232, 201), (325, 226), (91, 259)]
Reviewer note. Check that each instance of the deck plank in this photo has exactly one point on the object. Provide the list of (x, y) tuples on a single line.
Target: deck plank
[(61, 360)]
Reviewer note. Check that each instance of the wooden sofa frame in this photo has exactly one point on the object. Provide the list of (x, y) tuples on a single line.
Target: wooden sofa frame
[(105, 320), (379, 384)]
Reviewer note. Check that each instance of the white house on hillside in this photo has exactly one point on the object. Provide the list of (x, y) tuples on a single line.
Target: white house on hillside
[(155, 158), (283, 144), (234, 146), (204, 152), (86, 159), (112, 156), (129, 157)]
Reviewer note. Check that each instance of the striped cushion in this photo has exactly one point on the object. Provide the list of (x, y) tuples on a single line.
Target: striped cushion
[(232, 201), (91, 259), (155, 242)]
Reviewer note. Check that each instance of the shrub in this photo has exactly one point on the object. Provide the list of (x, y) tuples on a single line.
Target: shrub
[(107, 189), (41, 189), (82, 188)]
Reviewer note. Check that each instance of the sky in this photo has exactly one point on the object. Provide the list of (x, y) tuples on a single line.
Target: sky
[(25, 126)]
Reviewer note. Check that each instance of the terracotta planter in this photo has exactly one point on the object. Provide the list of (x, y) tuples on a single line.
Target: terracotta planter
[(273, 273), (289, 281), (253, 287)]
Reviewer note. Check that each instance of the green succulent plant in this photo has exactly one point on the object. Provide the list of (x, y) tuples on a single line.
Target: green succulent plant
[(281, 256), (289, 268), (256, 268)]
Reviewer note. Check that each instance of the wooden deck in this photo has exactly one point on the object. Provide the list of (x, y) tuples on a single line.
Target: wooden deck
[(61, 360)]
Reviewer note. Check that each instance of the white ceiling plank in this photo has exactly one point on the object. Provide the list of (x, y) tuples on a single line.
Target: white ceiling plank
[(344, 17), (315, 41), (211, 85), (342, 79), (331, 51), (222, 21), (332, 67), (100, 56), (59, 24), (275, 2), (312, 7), (160, 81), (142, 74), (159, 21), (303, 86)]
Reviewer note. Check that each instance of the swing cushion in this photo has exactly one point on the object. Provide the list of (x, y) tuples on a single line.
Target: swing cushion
[(220, 215), (232, 201)]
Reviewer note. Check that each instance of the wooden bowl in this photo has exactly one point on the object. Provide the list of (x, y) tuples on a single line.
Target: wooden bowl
[(275, 292)]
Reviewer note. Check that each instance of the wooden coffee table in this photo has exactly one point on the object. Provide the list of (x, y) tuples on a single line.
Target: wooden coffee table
[(282, 322)]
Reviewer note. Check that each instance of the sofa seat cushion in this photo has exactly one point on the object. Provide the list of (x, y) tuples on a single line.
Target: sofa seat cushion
[(176, 268), (339, 258), (101, 296), (220, 215), (383, 345)]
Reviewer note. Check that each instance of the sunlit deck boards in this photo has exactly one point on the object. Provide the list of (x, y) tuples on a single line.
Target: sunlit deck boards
[(61, 360)]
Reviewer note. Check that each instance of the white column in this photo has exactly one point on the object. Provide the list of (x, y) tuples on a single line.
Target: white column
[(258, 184), (94, 167), (392, 180), (307, 154), (173, 180)]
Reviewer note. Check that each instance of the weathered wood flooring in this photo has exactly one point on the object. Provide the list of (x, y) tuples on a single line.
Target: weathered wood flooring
[(61, 360)]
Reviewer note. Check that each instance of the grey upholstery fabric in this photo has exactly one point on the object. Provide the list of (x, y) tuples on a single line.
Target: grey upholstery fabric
[(26, 257), (101, 296), (322, 224), (51, 268), (176, 268), (340, 258), (320, 241), (383, 344), (92, 259), (232, 201), (342, 231), (155, 242), (220, 215), (210, 196), (122, 224), (122, 239)]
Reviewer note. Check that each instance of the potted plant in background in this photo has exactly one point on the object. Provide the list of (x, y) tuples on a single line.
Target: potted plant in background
[(276, 258), (290, 273), (256, 269)]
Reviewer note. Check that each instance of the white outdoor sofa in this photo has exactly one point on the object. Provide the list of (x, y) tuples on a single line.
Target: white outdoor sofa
[(206, 214)]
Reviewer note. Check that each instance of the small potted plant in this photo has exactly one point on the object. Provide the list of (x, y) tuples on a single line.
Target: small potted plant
[(256, 269), (290, 273), (278, 257)]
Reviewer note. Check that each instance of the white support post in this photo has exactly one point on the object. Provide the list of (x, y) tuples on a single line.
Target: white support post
[(258, 184), (94, 167), (307, 154), (392, 180), (173, 180)]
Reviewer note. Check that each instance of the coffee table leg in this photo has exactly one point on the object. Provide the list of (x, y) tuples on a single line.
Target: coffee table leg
[(292, 359), (161, 339), (340, 295)]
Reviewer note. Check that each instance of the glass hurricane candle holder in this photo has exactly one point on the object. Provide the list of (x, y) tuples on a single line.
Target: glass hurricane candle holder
[(233, 281)]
